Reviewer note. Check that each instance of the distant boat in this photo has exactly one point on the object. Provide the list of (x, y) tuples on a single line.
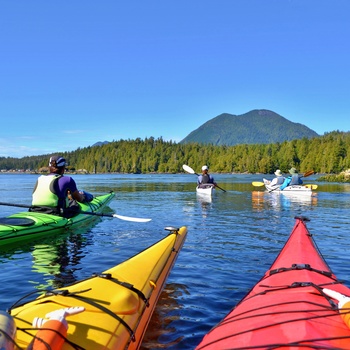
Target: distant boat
[(292, 189)]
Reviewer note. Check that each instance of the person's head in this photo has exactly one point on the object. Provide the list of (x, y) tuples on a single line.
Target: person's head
[(278, 172), (293, 171), (205, 169), (57, 164)]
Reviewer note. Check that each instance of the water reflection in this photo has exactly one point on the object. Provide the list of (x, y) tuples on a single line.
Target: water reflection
[(161, 333), (57, 262), (205, 202), (279, 201), (204, 198)]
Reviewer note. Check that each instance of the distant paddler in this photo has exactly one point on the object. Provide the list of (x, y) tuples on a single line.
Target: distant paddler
[(278, 180), (203, 177)]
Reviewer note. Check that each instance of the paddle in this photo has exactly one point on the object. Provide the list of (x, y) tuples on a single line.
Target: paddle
[(121, 217), (257, 183), (191, 171)]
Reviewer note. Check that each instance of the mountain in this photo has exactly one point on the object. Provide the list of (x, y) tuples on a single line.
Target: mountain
[(259, 126), (100, 143)]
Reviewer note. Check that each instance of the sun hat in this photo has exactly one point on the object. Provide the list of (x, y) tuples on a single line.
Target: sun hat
[(293, 171), (278, 172), (57, 161), (204, 167)]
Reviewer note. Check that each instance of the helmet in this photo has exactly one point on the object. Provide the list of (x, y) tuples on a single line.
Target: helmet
[(57, 162)]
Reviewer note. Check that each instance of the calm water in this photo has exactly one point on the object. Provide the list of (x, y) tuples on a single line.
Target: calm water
[(231, 241)]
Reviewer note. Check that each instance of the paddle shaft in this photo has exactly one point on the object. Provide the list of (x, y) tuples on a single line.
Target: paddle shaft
[(15, 205), (121, 217)]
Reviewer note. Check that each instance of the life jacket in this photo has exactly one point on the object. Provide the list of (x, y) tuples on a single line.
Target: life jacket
[(296, 180), (205, 179), (45, 194), (280, 180)]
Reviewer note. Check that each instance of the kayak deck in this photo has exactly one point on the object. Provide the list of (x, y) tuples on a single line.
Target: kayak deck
[(287, 308), (29, 225), (118, 302)]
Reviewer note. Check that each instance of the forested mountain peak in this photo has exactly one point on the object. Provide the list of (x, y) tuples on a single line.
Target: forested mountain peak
[(257, 126)]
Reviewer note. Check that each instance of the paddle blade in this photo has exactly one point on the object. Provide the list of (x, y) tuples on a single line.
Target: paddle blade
[(308, 173), (188, 169), (311, 186), (257, 183), (128, 218)]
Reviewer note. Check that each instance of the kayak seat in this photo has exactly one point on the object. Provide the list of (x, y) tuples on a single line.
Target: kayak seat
[(205, 185), (17, 221)]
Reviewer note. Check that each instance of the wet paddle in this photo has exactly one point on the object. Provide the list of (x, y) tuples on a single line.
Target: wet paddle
[(191, 171), (121, 217)]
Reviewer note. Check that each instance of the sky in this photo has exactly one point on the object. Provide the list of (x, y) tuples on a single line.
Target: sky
[(73, 73)]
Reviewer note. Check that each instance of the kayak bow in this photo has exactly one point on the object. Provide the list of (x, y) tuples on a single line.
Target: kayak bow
[(111, 310), (288, 307)]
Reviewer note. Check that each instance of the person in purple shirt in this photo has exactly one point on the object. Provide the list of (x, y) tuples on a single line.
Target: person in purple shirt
[(57, 194)]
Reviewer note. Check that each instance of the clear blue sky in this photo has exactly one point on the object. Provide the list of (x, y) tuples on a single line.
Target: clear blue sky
[(73, 73)]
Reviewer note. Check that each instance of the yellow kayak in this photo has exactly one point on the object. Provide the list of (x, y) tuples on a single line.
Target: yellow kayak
[(110, 310)]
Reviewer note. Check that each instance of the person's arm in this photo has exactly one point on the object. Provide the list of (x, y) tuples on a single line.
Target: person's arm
[(274, 181), (73, 189), (286, 182), (77, 195)]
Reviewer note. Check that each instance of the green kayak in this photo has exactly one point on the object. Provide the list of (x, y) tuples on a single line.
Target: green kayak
[(30, 225)]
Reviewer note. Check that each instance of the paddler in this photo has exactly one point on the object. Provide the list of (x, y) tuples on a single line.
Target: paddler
[(205, 178), (292, 179), (278, 180), (57, 194)]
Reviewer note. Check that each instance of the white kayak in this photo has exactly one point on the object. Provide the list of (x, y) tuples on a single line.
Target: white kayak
[(291, 189), (206, 189)]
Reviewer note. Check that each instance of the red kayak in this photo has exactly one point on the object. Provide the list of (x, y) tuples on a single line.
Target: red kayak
[(290, 307)]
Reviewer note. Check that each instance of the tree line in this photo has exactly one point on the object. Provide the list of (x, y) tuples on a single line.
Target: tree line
[(328, 154)]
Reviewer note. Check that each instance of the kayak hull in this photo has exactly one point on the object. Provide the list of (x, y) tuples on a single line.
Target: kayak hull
[(206, 190), (287, 307), (118, 303), (30, 225), (292, 189)]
